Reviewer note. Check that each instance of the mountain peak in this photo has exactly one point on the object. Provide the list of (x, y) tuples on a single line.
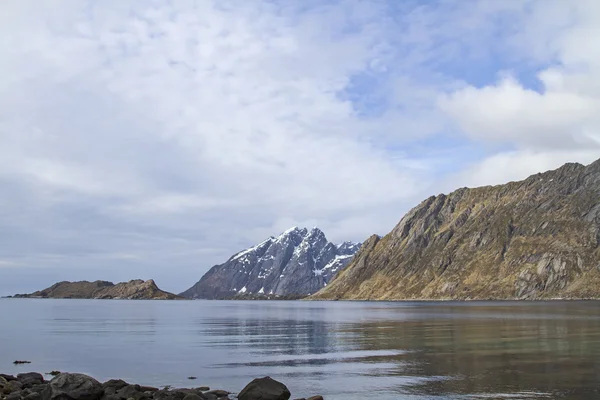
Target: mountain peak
[(297, 262)]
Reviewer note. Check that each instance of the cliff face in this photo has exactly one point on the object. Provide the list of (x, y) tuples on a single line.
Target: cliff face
[(296, 263), (534, 239), (132, 290)]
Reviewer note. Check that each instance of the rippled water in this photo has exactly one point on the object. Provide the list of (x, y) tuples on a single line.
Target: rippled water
[(342, 350)]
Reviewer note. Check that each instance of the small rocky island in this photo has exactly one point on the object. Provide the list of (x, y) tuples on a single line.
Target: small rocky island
[(33, 386), (133, 290)]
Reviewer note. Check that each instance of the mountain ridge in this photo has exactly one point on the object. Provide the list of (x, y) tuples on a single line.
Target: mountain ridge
[(296, 263), (532, 239)]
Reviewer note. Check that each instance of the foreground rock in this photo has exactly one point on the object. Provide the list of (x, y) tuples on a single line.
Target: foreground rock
[(72, 386), (132, 290), (265, 389), (534, 239)]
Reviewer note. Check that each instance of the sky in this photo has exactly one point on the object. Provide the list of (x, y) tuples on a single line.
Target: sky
[(154, 139)]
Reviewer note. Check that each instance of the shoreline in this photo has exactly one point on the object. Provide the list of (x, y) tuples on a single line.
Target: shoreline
[(515, 300), (77, 386)]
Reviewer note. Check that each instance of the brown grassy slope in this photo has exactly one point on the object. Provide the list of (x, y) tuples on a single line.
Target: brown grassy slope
[(534, 239)]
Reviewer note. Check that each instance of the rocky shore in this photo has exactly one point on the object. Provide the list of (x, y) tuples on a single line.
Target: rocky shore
[(73, 386)]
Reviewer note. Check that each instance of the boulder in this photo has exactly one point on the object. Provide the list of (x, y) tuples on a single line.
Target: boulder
[(115, 383), (112, 386), (174, 394), (14, 395), (148, 389), (265, 389), (67, 386), (8, 377), (194, 397), (131, 392), (315, 398), (13, 386), (33, 396), (218, 393), (30, 378), (38, 388)]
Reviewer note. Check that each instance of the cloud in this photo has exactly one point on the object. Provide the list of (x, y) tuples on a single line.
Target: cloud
[(156, 139), (546, 109), (162, 130)]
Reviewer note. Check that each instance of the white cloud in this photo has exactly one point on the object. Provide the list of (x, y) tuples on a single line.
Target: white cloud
[(509, 113), (137, 138), (210, 123), (558, 122)]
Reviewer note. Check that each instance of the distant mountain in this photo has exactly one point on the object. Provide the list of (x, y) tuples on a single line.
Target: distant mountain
[(132, 290), (534, 239), (296, 263)]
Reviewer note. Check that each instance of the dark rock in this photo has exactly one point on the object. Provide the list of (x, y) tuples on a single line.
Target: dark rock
[(148, 389), (30, 378), (8, 377), (112, 386), (265, 389), (14, 395), (166, 394), (116, 383), (203, 388), (13, 386), (315, 398), (218, 393), (109, 397), (73, 387), (17, 362), (194, 397), (33, 396), (38, 388), (131, 392)]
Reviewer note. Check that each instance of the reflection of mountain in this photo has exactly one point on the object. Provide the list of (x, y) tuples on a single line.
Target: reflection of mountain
[(271, 342), (493, 350)]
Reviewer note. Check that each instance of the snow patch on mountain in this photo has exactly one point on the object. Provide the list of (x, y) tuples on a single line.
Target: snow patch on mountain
[(296, 262)]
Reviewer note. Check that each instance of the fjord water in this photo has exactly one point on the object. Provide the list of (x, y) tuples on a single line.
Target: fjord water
[(342, 350)]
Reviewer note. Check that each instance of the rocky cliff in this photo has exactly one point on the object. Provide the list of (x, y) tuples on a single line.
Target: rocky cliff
[(132, 290), (534, 239), (296, 263)]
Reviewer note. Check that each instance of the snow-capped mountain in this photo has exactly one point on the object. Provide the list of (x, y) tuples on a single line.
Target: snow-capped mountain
[(297, 262)]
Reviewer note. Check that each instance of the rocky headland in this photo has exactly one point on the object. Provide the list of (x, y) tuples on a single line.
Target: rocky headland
[(534, 239), (73, 386), (133, 290)]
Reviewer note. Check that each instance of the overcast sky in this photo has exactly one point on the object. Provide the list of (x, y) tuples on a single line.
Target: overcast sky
[(154, 139)]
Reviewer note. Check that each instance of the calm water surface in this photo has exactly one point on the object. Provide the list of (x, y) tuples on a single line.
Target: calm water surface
[(342, 350)]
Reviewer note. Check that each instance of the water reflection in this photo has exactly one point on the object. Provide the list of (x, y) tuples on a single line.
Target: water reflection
[(341, 350)]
